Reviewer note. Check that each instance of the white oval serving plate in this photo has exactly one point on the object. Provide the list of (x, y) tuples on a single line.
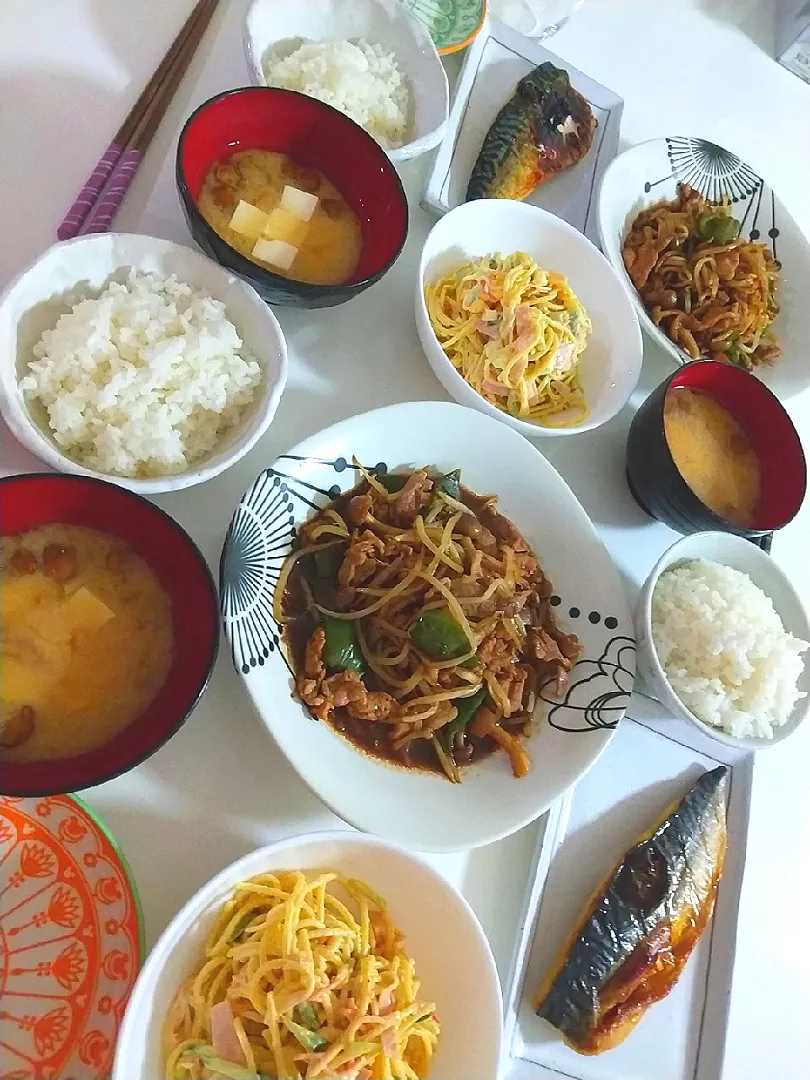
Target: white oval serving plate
[(419, 809)]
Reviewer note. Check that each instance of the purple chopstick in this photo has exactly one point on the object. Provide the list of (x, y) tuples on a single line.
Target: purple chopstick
[(104, 191), (123, 173), (75, 217)]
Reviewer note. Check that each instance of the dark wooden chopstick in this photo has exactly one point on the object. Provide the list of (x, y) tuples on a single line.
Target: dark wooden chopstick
[(130, 141)]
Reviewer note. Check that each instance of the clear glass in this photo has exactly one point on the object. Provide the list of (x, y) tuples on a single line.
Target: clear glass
[(535, 18)]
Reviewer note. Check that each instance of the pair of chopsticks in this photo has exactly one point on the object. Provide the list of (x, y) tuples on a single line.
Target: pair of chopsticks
[(97, 203)]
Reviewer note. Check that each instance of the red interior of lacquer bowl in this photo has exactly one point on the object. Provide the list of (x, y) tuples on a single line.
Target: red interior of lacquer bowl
[(27, 502), (312, 135), (774, 438)]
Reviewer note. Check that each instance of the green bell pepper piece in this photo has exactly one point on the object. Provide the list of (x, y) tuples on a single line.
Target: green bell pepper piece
[(718, 228), (466, 708), (327, 562), (437, 634), (392, 482), (450, 484), (342, 650), (735, 355)]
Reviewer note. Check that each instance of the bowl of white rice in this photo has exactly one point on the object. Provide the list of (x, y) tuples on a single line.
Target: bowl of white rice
[(722, 640), (370, 59), (137, 360)]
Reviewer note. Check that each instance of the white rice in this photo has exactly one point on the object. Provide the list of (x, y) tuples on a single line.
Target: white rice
[(144, 379), (724, 648), (361, 80)]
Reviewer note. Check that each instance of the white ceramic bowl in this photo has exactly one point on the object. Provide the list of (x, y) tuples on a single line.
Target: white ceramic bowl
[(70, 271), (741, 554), (453, 959), (610, 365), (422, 809), (650, 172), (381, 22)]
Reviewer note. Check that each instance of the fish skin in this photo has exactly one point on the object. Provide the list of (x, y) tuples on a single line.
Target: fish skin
[(691, 840), (524, 147)]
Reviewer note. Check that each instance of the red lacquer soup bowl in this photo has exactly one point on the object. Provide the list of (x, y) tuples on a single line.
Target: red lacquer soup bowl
[(663, 493), (31, 501), (313, 135)]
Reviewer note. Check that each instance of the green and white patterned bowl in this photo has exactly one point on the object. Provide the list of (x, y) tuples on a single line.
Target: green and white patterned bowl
[(451, 23)]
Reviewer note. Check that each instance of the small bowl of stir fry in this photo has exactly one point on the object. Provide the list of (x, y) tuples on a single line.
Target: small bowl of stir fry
[(712, 260), (404, 598)]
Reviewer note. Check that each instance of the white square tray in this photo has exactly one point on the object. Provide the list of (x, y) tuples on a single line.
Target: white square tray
[(645, 768), (495, 61)]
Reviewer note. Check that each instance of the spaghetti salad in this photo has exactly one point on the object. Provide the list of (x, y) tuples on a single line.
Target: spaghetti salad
[(515, 332), (302, 977)]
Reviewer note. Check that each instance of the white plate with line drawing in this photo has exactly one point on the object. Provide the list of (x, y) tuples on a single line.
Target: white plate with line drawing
[(411, 806)]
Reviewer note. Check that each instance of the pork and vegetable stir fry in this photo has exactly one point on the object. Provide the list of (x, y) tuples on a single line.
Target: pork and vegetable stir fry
[(419, 623)]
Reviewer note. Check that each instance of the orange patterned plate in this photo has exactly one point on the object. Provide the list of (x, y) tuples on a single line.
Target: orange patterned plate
[(71, 940)]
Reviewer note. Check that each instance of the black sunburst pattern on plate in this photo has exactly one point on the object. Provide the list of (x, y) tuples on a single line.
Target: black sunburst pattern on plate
[(718, 174), (599, 691), (259, 539)]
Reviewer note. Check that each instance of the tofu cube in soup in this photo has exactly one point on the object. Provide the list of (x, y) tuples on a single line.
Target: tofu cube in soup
[(302, 204), (276, 252), (85, 611), (249, 220), (282, 225)]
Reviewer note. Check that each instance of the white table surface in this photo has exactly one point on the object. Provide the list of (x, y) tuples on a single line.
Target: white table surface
[(69, 71)]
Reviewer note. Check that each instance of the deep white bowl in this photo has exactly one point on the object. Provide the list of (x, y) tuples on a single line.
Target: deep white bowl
[(740, 554), (610, 365), (420, 809), (647, 173), (70, 271), (380, 22), (453, 959)]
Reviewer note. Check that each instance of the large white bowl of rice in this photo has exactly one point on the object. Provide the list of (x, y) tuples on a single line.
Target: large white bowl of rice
[(722, 640), (137, 360), (370, 59)]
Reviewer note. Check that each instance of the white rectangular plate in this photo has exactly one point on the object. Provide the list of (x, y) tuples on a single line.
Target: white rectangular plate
[(495, 61), (644, 769)]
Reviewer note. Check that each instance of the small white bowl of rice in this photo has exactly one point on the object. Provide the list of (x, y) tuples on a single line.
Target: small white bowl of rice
[(370, 59), (722, 640), (137, 360)]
